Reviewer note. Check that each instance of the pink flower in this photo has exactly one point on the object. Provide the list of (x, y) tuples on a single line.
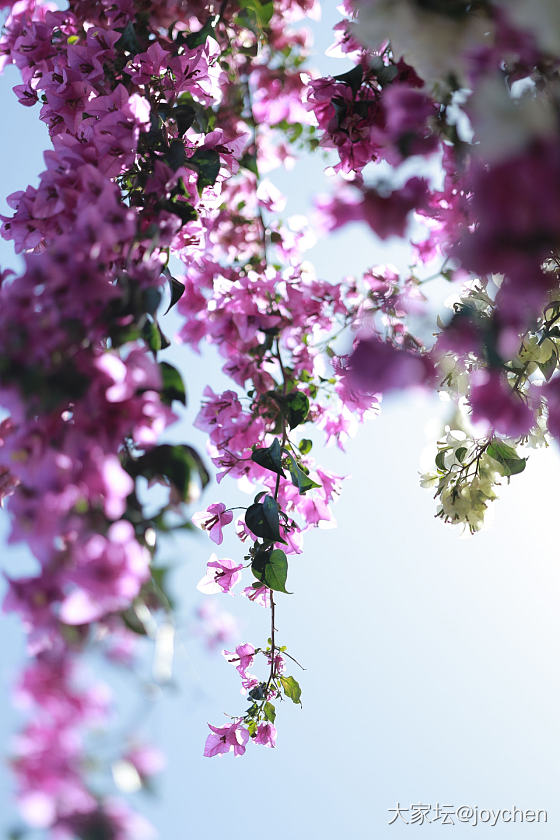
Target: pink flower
[(376, 366), (266, 735), (242, 658), (493, 401), (258, 596), (221, 576), (223, 739), (213, 520)]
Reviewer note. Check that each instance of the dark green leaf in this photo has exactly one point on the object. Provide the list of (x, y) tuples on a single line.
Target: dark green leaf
[(300, 479), (250, 162), (460, 453), (291, 689), (196, 39), (173, 387), (305, 446), (297, 406), (508, 459), (176, 289), (151, 299), (128, 42), (258, 692), (258, 563), (276, 571), (263, 520), (132, 622), (175, 463), (270, 458), (353, 78), (184, 116), (207, 163), (175, 156), (151, 335), (440, 459), (154, 337)]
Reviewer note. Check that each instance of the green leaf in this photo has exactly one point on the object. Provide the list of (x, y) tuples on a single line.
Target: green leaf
[(440, 459), (547, 368), (353, 78), (269, 712), (300, 479), (252, 727), (175, 463), (305, 446), (255, 15), (258, 692), (132, 622), (250, 162), (184, 116), (507, 458), (291, 689), (460, 453), (297, 406), (128, 42), (175, 156), (258, 564), (173, 387), (206, 162), (154, 337), (151, 299), (270, 458), (276, 571), (196, 39), (151, 335), (263, 520), (176, 290)]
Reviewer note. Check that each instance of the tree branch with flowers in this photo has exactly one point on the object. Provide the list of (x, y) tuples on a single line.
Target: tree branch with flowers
[(164, 118)]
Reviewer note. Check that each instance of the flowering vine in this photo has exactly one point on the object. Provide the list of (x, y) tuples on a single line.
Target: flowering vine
[(164, 120)]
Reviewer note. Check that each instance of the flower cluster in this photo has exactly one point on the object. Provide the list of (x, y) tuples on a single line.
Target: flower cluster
[(164, 118)]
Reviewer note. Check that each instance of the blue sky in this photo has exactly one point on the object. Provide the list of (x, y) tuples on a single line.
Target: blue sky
[(431, 661)]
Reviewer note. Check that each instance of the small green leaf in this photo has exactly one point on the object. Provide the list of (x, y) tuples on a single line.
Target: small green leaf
[(353, 78), (151, 335), (196, 39), (173, 387), (132, 622), (440, 459), (305, 446), (258, 692), (460, 453), (207, 163), (176, 290), (184, 116), (297, 406), (269, 712), (300, 479), (255, 15), (547, 368), (291, 689), (151, 299), (507, 458), (128, 42), (270, 458), (276, 571), (263, 520), (175, 463), (154, 337), (175, 156)]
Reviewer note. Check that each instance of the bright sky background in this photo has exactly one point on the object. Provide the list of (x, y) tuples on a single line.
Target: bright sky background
[(432, 661)]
